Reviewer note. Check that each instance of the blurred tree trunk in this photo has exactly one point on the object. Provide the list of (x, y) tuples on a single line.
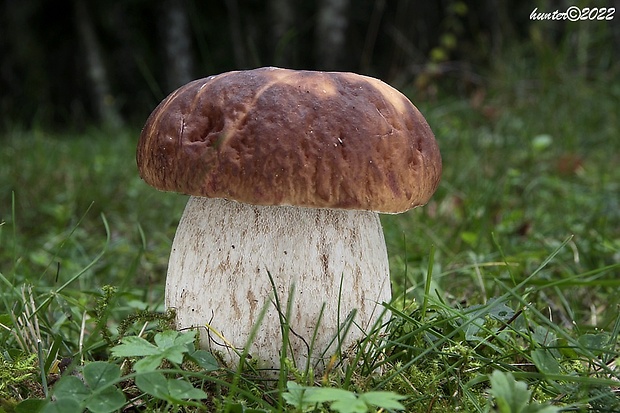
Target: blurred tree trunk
[(23, 66), (283, 18), (104, 104), (371, 35), (330, 34), (177, 43), (236, 33)]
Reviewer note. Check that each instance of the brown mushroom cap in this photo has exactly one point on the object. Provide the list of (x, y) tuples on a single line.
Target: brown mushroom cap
[(273, 136)]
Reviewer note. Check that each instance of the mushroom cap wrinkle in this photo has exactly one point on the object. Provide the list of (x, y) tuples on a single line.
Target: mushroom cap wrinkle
[(273, 136)]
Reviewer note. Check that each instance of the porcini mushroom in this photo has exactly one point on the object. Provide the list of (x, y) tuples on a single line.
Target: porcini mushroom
[(287, 172)]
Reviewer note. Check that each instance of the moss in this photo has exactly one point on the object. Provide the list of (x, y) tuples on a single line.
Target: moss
[(18, 378)]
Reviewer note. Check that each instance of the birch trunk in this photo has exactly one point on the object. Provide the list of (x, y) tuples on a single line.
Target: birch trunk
[(104, 104), (330, 35), (177, 43)]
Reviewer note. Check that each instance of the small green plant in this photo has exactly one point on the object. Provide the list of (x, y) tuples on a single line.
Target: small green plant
[(343, 401), (169, 345), (97, 392), (96, 386), (171, 390), (173, 347), (512, 396)]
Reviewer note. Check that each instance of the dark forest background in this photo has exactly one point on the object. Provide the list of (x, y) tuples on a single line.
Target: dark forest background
[(72, 63)]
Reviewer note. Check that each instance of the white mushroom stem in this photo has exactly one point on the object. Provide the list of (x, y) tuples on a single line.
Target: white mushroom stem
[(224, 251)]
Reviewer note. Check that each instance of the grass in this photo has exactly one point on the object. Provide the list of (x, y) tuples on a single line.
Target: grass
[(505, 284)]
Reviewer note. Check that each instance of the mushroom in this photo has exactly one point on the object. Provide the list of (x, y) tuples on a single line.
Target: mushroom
[(287, 172)]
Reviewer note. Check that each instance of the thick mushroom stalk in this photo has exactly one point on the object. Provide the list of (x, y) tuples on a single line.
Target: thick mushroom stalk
[(224, 253)]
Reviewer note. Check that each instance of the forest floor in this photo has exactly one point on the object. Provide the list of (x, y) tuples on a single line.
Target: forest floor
[(505, 284)]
